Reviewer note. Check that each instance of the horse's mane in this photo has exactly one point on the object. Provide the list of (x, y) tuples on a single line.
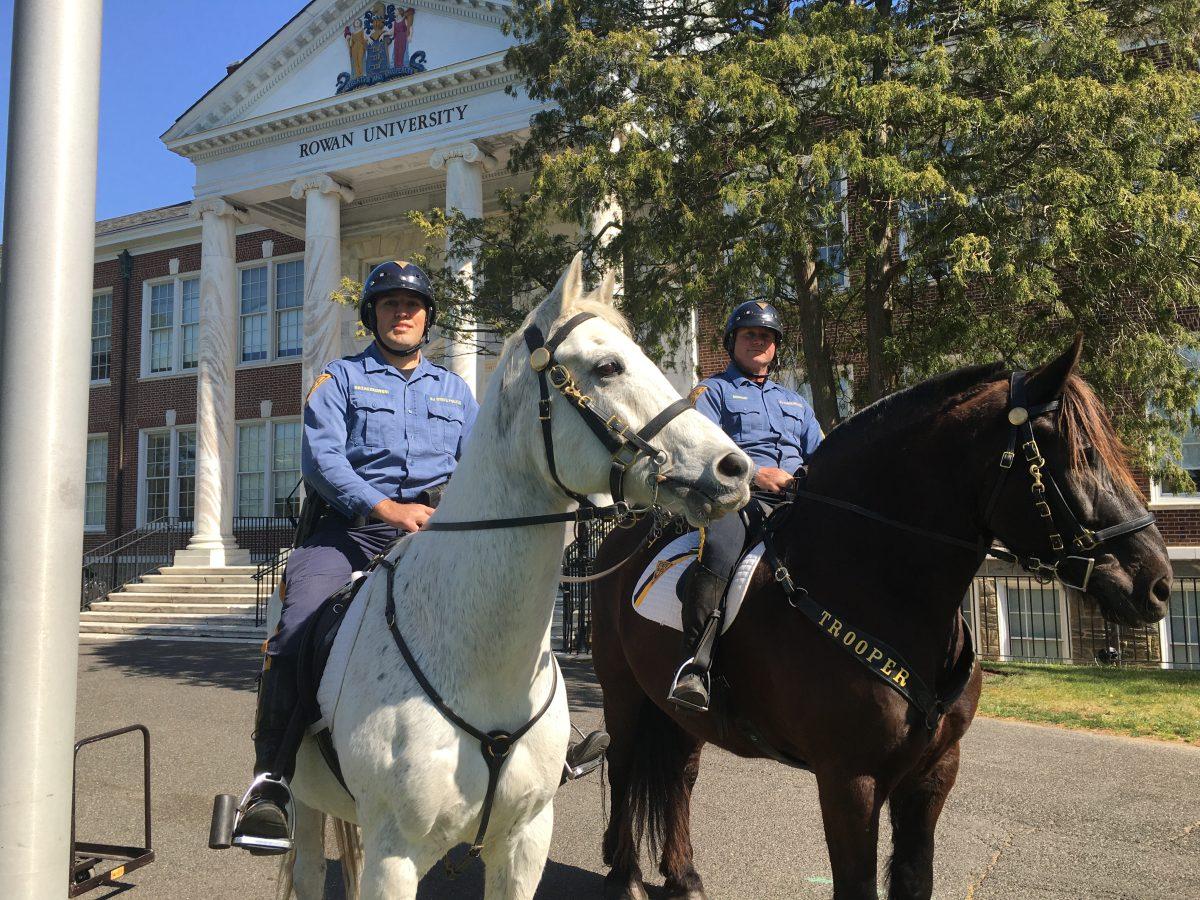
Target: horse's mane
[(1086, 423), (1083, 421)]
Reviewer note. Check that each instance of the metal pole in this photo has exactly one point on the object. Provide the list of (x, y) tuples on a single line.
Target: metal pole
[(45, 337)]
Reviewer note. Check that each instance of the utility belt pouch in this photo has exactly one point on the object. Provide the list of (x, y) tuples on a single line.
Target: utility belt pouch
[(311, 512)]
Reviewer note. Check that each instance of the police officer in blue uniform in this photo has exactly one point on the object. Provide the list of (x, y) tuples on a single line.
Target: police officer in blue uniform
[(383, 431), (778, 431)]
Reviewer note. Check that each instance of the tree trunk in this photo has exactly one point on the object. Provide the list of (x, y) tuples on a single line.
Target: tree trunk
[(814, 343)]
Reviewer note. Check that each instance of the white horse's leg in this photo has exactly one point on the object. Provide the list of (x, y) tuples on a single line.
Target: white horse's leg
[(514, 867), (308, 875), (389, 871)]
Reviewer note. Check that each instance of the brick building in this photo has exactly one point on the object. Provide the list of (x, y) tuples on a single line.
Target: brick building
[(210, 317)]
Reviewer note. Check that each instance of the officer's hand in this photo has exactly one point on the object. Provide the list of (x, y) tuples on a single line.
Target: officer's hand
[(408, 516), (771, 479)]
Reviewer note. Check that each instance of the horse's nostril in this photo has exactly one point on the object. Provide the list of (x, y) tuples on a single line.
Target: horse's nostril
[(733, 465), (1162, 590)]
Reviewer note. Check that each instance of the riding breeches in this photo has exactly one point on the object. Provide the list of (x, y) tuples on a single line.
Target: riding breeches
[(319, 567)]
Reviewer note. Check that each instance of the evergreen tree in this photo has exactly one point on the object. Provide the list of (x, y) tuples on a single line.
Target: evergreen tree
[(918, 185)]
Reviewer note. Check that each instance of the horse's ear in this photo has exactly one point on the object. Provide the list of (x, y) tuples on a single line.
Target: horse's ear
[(565, 294), (1047, 382), (608, 288)]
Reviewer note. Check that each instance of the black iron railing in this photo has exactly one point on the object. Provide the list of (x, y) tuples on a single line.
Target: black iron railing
[(579, 560), (263, 536), (125, 559), (266, 579)]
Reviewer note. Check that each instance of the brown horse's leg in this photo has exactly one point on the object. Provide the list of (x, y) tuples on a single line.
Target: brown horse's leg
[(682, 880), (850, 808), (915, 806), (623, 704)]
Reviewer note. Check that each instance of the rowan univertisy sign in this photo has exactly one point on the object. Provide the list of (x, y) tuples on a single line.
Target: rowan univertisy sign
[(380, 45)]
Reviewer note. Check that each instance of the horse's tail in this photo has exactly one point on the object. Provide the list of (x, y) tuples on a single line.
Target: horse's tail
[(655, 785)]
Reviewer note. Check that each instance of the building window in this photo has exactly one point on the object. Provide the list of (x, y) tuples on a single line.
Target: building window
[(172, 315), (101, 336), (95, 479), (1032, 617), (272, 311), (268, 470), (1189, 459), (168, 475), (1183, 623)]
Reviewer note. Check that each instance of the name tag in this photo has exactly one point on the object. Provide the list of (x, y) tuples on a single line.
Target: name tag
[(372, 390), (447, 400), (739, 397), (790, 403)]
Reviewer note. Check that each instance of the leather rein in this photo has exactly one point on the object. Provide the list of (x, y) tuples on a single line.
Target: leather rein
[(626, 447), (1051, 504)]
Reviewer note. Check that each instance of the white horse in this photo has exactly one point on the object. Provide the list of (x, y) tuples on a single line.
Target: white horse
[(475, 608)]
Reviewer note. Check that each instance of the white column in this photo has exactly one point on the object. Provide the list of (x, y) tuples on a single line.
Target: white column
[(464, 165), (322, 271), (212, 544), (49, 239)]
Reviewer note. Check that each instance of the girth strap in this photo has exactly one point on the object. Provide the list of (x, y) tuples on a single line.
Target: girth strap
[(494, 745)]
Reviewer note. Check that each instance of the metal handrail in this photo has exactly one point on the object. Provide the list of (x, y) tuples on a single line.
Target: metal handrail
[(132, 556)]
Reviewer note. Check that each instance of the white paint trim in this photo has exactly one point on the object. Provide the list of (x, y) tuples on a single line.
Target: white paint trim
[(272, 359), (1164, 641), (103, 526), (176, 369), (268, 461)]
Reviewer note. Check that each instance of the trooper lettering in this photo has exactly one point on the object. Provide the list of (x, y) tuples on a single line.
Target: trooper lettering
[(875, 654), (861, 647), (901, 677), (888, 666), (836, 628), (825, 617), (849, 638)]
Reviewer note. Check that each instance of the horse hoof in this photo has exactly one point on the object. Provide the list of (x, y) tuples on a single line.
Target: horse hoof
[(629, 887)]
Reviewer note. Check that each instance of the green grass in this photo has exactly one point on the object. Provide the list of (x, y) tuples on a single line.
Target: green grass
[(1137, 702)]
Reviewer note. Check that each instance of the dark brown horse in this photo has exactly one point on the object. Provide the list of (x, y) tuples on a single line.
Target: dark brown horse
[(927, 457)]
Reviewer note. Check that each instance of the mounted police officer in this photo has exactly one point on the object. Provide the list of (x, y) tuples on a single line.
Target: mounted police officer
[(778, 431), (383, 432)]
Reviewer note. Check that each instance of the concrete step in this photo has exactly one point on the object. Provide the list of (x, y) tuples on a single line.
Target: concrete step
[(211, 609), (249, 633), (195, 639), (247, 588), (166, 618), (208, 570), (197, 579), (172, 597)]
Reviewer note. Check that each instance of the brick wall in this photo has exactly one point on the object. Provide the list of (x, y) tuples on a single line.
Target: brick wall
[(148, 399)]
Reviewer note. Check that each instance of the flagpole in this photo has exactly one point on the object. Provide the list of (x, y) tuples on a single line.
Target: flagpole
[(45, 319)]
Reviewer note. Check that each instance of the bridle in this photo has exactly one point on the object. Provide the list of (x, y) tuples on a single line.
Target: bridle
[(1052, 507), (1074, 571), (626, 445)]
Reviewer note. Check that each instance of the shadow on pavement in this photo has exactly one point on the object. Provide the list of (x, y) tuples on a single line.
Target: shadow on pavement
[(559, 880), (583, 690), (233, 666)]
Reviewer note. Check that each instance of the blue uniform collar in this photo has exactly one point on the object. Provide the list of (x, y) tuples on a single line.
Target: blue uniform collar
[(373, 361), (738, 377)]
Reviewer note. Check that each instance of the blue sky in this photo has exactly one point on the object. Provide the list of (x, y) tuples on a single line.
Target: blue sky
[(157, 60)]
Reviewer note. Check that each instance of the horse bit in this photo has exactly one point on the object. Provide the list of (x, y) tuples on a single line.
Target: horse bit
[(626, 447)]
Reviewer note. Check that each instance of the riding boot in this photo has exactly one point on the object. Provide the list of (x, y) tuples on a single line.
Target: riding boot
[(264, 826), (585, 756), (701, 591)]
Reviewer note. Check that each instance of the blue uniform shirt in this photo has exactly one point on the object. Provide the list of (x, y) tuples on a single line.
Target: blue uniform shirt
[(773, 425), (370, 434)]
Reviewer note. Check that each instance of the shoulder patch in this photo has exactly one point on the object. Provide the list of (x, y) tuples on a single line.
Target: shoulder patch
[(321, 379), (696, 392)]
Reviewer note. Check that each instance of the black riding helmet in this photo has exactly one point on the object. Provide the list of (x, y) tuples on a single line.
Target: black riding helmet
[(752, 314), (396, 275)]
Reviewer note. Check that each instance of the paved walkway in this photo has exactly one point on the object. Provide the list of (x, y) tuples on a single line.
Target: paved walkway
[(1037, 813)]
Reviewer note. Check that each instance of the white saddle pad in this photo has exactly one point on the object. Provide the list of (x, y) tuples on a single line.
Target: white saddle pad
[(655, 597)]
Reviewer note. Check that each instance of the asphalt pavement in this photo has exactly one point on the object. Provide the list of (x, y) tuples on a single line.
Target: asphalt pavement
[(1037, 812)]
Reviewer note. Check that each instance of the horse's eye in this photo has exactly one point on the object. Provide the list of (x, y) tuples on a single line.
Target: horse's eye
[(609, 368)]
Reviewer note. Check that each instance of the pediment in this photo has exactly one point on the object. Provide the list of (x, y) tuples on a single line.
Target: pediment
[(334, 49)]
